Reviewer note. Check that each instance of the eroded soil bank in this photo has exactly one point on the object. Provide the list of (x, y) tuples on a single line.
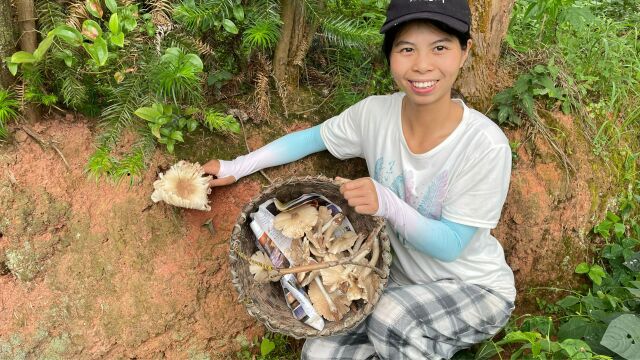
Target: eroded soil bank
[(94, 270)]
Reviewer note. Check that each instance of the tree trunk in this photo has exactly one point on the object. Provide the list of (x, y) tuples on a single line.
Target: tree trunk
[(490, 24), (28, 42), (7, 42)]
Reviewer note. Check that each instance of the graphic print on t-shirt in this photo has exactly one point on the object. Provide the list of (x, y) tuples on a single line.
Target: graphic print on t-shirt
[(428, 203)]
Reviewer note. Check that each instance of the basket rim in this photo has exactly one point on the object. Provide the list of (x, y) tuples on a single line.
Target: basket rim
[(254, 309)]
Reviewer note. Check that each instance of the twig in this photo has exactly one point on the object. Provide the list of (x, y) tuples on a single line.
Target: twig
[(45, 144)]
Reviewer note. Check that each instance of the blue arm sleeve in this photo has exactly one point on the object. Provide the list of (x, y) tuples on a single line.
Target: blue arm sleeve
[(444, 239), (296, 145), (284, 150)]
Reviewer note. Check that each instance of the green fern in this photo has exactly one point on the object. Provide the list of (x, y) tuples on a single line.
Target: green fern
[(177, 77), (214, 120), (133, 164), (50, 15), (8, 111), (347, 32), (204, 14), (74, 92), (100, 163), (262, 34)]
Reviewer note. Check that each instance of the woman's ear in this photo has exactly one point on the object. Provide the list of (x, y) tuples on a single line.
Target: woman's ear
[(465, 53)]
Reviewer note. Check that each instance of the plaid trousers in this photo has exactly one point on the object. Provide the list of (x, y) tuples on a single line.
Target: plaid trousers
[(427, 321)]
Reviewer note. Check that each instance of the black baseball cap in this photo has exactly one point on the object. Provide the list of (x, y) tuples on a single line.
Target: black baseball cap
[(454, 13)]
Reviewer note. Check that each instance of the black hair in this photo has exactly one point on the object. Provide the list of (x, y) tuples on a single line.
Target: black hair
[(390, 36)]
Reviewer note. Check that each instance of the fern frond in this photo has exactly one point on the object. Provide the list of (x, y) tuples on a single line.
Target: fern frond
[(8, 111), (100, 163), (262, 34), (74, 91), (349, 32), (50, 15), (203, 14), (134, 163)]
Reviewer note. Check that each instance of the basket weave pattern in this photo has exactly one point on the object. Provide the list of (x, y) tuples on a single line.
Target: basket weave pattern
[(265, 301)]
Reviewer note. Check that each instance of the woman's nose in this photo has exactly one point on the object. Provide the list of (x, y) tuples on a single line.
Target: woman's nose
[(423, 63)]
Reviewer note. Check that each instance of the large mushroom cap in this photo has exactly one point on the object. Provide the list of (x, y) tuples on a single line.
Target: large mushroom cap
[(183, 185), (296, 222)]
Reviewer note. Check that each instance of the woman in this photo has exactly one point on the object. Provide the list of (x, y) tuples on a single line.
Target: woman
[(439, 175)]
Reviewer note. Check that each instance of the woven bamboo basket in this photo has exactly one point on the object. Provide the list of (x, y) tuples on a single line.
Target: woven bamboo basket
[(265, 301)]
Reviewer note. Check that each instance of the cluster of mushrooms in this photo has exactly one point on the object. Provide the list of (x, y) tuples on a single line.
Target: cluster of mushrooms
[(337, 270)]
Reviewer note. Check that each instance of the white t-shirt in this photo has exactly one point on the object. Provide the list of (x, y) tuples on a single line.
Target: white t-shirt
[(464, 179)]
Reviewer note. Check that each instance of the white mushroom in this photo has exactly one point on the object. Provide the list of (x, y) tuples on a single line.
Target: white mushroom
[(296, 222), (344, 242), (257, 266), (324, 214), (319, 297), (183, 185), (330, 227)]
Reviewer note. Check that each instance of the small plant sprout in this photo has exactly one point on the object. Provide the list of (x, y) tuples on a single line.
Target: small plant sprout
[(183, 185)]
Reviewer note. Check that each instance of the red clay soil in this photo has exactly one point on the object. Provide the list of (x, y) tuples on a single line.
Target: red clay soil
[(91, 269)]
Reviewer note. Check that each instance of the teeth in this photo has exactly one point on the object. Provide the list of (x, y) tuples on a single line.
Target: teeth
[(423, 84)]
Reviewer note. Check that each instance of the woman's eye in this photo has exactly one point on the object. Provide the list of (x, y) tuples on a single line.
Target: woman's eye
[(406, 50), (440, 48)]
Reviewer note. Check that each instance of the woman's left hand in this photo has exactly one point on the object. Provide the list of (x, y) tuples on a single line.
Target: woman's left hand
[(361, 195)]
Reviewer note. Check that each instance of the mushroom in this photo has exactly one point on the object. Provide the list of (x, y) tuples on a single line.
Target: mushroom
[(294, 223), (344, 242), (258, 266), (183, 185), (324, 301), (330, 227), (324, 214)]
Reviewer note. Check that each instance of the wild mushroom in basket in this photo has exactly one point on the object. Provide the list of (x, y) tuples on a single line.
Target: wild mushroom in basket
[(294, 223)]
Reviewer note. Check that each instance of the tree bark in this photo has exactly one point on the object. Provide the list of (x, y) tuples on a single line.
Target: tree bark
[(7, 42), (25, 10), (490, 24)]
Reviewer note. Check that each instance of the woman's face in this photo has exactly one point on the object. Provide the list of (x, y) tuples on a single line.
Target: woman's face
[(425, 62)]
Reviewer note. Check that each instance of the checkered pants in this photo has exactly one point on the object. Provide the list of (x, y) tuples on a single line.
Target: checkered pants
[(431, 321)]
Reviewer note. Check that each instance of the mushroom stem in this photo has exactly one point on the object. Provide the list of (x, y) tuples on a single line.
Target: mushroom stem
[(332, 306), (324, 265), (333, 225)]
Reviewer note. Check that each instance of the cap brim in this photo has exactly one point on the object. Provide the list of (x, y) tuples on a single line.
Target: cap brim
[(445, 19)]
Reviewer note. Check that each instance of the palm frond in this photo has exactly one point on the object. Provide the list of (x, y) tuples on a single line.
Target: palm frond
[(8, 111), (262, 34), (74, 91), (50, 15), (203, 15), (347, 32)]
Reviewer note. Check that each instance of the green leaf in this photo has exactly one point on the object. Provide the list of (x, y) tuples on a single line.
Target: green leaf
[(194, 60), (155, 130), (267, 346), (114, 24), (618, 229), (129, 24), (238, 12), (68, 34), (575, 328), (117, 39), (91, 29), (13, 68), (577, 349), (44, 45), (23, 57), (177, 135), (582, 268), (94, 8), (170, 146), (487, 351), (623, 336), (633, 262), (67, 56), (519, 336), (192, 124), (229, 26), (147, 113), (568, 301), (98, 50), (596, 273), (111, 5)]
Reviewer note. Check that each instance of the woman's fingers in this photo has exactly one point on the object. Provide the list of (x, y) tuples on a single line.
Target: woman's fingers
[(361, 195), (212, 167)]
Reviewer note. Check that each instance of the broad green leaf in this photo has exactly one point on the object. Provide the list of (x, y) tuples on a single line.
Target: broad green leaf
[(229, 26), (23, 57), (13, 68), (170, 146), (129, 24), (165, 132), (177, 135), (568, 301), (111, 5), (238, 12), (68, 34), (101, 50), (266, 347), (44, 45), (519, 336), (155, 130), (114, 24), (182, 122), (613, 217), (623, 336), (67, 56), (117, 39), (618, 229), (147, 113), (596, 273), (577, 349), (91, 29), (94, 8), (192, 124), (582, 268), (575, 328), (194, 60)]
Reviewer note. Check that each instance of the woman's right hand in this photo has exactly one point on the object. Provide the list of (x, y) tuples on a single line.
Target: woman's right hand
[(213, 167)]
